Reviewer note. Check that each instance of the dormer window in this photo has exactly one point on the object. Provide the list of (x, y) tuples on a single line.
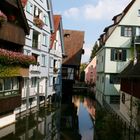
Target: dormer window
[(67, 35)]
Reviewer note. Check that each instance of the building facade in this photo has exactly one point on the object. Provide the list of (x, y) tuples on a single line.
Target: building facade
[(14, 65), (37, 44), (55, 59), (119, 57), (116, 52), (90, 72)]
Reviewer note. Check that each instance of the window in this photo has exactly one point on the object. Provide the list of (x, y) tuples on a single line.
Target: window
[(46, 20), (139, 12), (114, 79), (45, 41), (126, 31), (51, 62), (50, 80), (102, 79), (115, 99), (34, 82), (15, 84), (29, 7), (37, 12), (97, 78), (43, 60), (137, 31), (9, 86), (118, 55), (1, 84), (27, 52), (123, 98), (55, 64)]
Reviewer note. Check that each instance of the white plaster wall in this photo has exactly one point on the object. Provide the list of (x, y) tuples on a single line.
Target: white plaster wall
[(115, 66), (100, 60), (132, 17), (110, 89)]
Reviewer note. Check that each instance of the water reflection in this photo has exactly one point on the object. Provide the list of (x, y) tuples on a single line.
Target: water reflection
[(71, 121), (42, 125), (86, 116)]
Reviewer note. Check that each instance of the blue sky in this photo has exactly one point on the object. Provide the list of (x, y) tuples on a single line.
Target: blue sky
[(91, 16)]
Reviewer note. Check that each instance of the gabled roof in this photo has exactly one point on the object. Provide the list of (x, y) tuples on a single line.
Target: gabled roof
[(16, 7), (73, 43), (57, 20), (122, 15)]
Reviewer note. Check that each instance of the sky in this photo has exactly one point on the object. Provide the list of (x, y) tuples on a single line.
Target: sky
[(90, 16)]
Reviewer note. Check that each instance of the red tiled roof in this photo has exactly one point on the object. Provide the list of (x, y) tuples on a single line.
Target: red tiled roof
[(57, 19), (73, 43)]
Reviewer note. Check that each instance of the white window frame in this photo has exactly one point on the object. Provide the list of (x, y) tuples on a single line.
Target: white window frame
[(50, 80), (43, 60), (45, 40), (46, 20), (137, 31), (29, 7)]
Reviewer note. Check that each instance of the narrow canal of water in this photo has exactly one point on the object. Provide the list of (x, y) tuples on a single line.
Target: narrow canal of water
[(72, 121)]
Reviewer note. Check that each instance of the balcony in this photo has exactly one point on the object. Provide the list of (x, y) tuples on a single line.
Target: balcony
[(14, 63), (35, 68), (6, 33)]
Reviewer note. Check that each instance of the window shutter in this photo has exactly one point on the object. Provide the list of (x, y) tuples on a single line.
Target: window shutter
[(133, 31), (124, 55), (122, 30), (112, 54)]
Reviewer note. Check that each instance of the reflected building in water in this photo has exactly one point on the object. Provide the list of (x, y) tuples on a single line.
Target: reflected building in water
[(71, 121), (39, 126)]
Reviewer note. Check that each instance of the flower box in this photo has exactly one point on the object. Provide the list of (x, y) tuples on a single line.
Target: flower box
[(16, 59), (38, 22)]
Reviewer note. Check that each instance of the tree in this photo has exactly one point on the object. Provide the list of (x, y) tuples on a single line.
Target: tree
[(94, 50), (82, 72)]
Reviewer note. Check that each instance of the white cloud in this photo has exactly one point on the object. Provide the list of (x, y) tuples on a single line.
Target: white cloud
[(104, 9), (72, 12)]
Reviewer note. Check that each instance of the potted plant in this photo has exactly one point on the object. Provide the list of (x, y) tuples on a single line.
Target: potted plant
[(38, 22)]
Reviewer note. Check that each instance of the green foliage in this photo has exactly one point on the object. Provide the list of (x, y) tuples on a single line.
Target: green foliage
[(8, 71), (82, 72), (94, 50)]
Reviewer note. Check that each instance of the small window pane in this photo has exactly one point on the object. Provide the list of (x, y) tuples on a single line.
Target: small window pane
[(7, 84)]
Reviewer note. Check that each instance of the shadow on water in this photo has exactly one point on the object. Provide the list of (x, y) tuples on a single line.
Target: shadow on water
[(70, 121)]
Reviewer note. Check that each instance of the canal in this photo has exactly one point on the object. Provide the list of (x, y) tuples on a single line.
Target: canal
[(69, 121)]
